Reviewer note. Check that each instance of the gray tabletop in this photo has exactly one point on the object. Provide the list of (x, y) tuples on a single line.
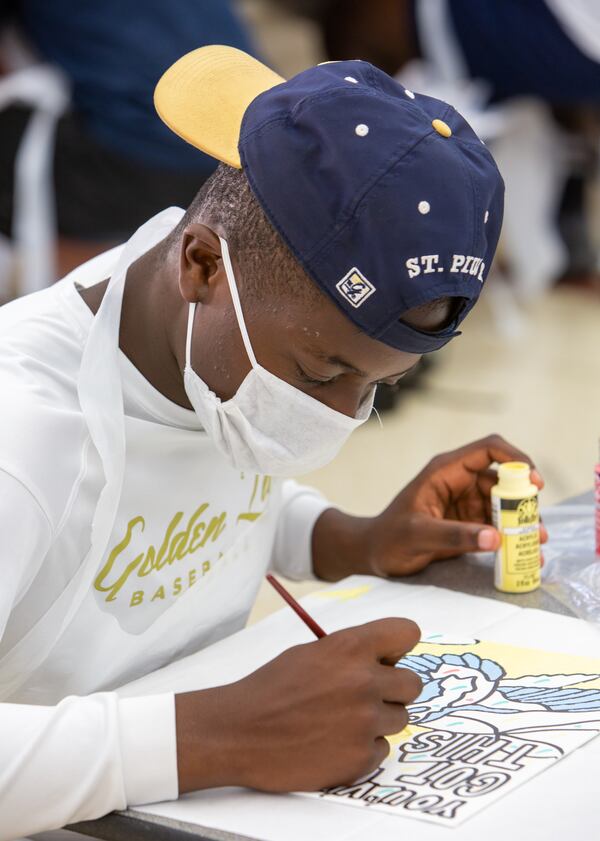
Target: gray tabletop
[(467, 574), (473, 574)]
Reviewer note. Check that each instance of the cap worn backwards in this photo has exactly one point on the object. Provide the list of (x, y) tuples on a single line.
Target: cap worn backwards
[(387, 198)]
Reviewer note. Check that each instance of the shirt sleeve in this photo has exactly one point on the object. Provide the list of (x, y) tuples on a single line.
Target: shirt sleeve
[(85, 756), (26, 535), (301, 508)]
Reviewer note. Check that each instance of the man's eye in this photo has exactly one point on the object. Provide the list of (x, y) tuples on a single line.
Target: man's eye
[(306, 378)]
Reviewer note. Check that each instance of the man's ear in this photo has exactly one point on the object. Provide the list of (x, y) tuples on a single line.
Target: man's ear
[(200, 264)]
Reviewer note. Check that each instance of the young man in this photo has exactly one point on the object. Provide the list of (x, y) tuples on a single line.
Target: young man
[(153, 402)]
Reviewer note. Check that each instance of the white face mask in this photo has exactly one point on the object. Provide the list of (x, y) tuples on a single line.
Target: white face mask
[(268, 426)]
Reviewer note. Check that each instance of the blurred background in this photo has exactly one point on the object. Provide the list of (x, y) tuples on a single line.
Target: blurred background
[(84, 161)]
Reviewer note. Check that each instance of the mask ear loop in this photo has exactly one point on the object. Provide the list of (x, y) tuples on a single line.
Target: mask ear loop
[(237, 306), (188, 337)]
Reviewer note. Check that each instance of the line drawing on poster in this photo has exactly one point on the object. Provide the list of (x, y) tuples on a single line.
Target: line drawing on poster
[(490, 717)]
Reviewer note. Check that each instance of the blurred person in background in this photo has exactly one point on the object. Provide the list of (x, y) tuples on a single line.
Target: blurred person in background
[(114, 163), (527, 75)]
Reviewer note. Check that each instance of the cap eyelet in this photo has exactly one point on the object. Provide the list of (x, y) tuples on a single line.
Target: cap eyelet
[(486, 216), (409, 94), (351, 79), (424, 207), (361, 130)]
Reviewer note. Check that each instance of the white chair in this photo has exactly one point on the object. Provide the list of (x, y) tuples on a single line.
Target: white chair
[(45, 90)]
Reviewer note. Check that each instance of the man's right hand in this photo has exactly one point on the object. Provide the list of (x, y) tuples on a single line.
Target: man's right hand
[(313, 717)]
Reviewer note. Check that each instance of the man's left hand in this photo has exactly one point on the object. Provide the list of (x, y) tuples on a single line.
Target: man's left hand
[(444, 512)]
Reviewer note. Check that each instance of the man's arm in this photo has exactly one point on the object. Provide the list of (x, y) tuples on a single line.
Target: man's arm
[(85, 756), (89, 755)]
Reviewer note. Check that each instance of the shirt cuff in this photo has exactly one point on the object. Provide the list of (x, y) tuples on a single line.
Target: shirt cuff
[(148, 748), (292, 552)]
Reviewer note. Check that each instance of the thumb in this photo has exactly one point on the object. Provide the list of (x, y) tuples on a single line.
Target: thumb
[(447, 538)]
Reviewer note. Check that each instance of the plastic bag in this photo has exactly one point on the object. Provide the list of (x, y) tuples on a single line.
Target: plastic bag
[(572, 569)]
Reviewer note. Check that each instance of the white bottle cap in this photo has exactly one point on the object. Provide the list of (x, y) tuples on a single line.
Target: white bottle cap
[(514, 476)]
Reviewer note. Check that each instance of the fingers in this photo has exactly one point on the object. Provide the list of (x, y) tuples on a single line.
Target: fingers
[(478, 456), (388, 639), (486, 481), (382, 750), (536, 478), (448, 538), (495, 448), (398, 686), (393, 718), (488, 478), (471, 537)]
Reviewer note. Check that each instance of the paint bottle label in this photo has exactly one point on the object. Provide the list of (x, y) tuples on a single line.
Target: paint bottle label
[(597, 498), (517, 568)]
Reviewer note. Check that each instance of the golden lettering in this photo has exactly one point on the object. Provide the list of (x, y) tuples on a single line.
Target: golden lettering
[(266, 487), (214, 530), (174, 547), (176, 587), (147, 564), (179, 547), (167, 539), (113, 589), (265, 490)]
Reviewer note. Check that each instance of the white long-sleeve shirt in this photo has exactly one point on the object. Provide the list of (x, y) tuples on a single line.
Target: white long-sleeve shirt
[(189, 546)]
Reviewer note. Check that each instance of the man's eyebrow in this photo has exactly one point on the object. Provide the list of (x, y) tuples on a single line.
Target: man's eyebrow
[(336, 360), (347, 366)]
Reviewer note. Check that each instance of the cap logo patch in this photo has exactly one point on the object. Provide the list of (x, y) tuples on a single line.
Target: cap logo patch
[(355, 287)]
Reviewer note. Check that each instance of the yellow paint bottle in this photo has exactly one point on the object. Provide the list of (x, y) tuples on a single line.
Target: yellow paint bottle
[(515, 514)]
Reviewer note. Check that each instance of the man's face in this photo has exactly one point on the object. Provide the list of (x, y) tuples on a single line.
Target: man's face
[(312, 346)]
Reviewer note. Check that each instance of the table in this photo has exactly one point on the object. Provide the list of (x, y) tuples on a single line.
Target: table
[(467, 574)]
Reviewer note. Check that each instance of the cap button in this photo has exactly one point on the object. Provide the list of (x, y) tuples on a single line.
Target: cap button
[(442, 128)]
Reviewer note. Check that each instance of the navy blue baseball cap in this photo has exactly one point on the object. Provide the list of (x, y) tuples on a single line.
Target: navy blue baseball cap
[(387, 198)]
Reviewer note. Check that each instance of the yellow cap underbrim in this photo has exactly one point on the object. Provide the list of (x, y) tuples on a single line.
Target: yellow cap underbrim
[(203, 98)]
